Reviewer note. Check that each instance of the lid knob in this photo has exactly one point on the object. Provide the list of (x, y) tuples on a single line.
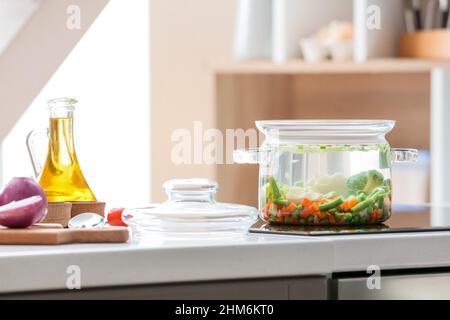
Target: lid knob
[(195, 189)]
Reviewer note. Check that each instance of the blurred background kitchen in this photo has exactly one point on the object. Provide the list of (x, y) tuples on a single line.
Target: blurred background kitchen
[(142, 69)]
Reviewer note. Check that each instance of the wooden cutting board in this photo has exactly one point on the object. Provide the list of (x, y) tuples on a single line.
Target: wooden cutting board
[(55, 234)]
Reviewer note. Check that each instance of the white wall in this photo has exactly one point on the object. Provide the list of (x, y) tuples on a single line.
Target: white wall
[(108, 72), (13, 15), (187, 37)]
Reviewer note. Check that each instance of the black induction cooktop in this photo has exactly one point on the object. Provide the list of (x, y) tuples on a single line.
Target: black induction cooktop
[(423, 218)]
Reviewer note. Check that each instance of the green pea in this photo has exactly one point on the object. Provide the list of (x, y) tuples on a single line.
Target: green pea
[(287, 220), (348, 217), (302, 221), (356, 219), (325, 222), (295, 213), (361, 197)]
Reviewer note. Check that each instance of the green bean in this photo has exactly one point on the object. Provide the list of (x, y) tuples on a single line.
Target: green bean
[(381, 202), (375, 194), (330, 205), (362, 205), (281, 202), (274, 186)]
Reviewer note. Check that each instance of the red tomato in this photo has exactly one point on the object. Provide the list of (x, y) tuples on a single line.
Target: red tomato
[(115, 217)]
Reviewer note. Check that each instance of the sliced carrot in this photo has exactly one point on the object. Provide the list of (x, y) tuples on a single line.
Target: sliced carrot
[(306, 212), (373, 216), (379, 214), (321, 215), (291, 207), (285, 212), (306, 202), (347, 205), (269, 201), (266, 210), (294, 220), (331, 218)]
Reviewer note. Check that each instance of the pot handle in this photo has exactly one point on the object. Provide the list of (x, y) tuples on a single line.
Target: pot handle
[(404, 155), (247, 156)]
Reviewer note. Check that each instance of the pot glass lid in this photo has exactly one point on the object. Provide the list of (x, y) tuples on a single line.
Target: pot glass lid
[(190, 207), (326, 131)]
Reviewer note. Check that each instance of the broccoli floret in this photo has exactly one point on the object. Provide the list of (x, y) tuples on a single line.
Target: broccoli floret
[(365, 181), (357, 182), (374, 179)]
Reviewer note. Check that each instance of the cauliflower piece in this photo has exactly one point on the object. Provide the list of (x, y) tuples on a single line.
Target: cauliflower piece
[(328, 183), (296, 194)]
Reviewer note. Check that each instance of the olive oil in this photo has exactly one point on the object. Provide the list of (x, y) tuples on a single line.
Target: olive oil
[(61, 177)]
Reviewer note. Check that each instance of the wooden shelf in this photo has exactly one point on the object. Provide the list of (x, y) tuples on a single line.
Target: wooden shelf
[(393, 65)]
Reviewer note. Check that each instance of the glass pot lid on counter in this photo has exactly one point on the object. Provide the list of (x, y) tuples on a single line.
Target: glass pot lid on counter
[(190, 207), (325, 172)]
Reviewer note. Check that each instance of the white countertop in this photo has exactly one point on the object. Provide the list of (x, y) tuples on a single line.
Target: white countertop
[(163, 260)]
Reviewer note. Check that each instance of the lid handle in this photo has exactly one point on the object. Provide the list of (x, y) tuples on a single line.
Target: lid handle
[(404, 155), (190, 190)]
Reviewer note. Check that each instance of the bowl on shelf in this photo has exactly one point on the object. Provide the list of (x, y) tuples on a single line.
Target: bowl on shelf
[(429, 44)]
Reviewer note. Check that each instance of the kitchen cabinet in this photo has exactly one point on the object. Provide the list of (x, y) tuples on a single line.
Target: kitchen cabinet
[(258, 289), (428, 284), (402, 284)]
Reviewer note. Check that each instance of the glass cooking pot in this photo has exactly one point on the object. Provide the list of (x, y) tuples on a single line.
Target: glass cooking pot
[(325, 172)]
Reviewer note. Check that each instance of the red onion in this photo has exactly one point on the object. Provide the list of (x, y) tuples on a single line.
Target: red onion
[(22, 203)]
